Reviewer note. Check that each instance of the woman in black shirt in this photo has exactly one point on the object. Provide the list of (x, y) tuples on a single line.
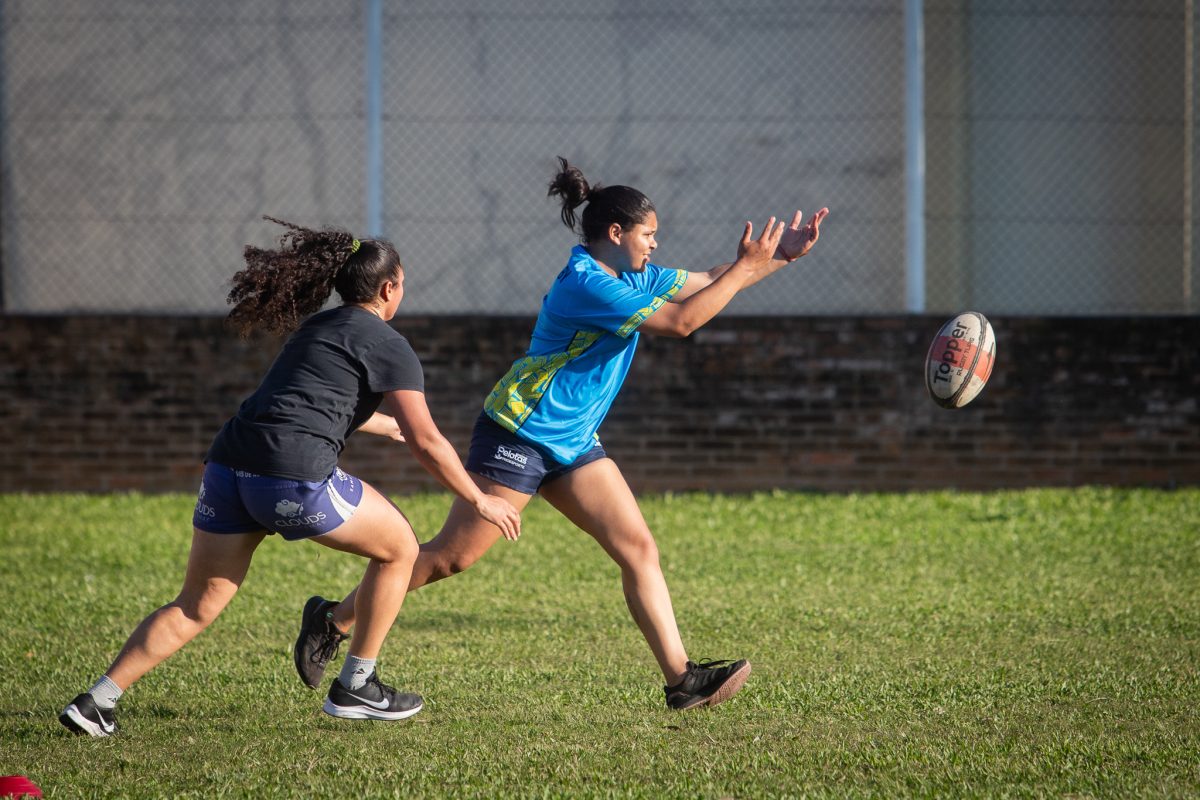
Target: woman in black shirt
[(273, 466)]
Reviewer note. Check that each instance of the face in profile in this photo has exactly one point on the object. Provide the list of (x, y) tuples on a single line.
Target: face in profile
[(637, 243)]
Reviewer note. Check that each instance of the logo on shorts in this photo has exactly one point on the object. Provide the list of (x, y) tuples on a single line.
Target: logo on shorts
[(203, 508), (341, 476), (511, 457), (291, 510), (287, 508)]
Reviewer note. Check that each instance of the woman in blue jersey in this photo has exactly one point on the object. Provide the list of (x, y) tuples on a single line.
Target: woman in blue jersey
[(273, 466), (538, 429)]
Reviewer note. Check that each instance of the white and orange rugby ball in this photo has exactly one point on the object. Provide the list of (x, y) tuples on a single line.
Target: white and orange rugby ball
[(960, 360)]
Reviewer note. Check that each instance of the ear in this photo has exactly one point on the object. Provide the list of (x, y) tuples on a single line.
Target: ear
[(614, 232), (387, 290)]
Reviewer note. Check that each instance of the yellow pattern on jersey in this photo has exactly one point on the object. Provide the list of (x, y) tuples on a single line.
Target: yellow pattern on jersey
[(640, 316), (518, 392)]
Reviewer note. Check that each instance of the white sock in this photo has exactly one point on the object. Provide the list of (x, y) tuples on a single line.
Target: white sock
[(355, 672), (106, 693)]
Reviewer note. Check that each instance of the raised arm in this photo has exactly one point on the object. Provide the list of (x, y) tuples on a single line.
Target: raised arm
[(438, 457), (755, 260), (796, 241)]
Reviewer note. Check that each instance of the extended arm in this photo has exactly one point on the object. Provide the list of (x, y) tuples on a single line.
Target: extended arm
[(438, 457), (796, 241), (756, 259)]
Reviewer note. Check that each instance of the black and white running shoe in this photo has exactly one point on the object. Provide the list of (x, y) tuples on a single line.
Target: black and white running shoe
[(375, 700), (708, 683), (82, 716), (318, 641)]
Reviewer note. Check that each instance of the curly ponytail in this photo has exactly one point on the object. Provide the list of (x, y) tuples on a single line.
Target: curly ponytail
[(623, 205), (280, 287)]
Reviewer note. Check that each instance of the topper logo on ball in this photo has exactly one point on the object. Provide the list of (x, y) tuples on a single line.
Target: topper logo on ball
[(960, 360), (956, 349)]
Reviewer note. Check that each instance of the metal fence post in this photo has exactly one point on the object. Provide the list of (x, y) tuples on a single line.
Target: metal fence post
[(374, 111), (1189, 138), (914, 155)]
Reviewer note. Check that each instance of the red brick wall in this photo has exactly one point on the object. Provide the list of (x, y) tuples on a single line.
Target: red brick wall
[(101, 403)]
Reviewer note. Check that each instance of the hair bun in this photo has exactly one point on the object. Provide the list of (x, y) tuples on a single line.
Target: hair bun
[(572, 187)]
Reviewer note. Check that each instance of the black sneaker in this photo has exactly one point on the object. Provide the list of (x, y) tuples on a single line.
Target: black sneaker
[(318, 641), (708, 683), (82, 716), (375, 700)]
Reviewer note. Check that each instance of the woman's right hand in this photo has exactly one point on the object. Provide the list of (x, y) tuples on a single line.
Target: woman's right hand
[(500, 513), (755, 255)]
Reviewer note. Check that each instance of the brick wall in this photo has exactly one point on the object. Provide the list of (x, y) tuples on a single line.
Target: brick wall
[(97, 403)]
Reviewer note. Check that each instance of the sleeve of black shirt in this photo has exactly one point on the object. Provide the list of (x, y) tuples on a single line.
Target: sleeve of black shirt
[(391, 364)]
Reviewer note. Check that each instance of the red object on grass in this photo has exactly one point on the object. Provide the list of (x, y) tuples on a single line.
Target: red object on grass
[(18, 786)]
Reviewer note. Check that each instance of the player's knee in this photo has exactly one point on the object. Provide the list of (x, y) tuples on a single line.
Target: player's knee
[(401, 550), (641, 551), (201, 610), (446, 564), (458, 563)]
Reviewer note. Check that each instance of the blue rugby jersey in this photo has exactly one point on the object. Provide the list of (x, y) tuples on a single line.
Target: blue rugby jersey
[(557, 395)]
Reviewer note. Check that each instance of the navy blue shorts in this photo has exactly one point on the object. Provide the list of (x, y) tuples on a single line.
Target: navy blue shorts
[(500, 455), (236, 501)]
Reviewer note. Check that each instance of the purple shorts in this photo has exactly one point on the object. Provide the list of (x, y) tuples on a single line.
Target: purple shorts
[(236, 501)]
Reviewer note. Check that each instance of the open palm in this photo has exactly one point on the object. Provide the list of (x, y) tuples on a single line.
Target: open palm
[(798, 239)]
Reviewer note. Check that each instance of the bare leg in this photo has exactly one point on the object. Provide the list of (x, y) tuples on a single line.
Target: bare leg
[(216, 567), (597, 499), (378, 531), (463, 539)]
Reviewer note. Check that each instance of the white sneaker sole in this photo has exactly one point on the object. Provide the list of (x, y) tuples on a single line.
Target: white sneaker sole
[(366, 712), (82, 723)]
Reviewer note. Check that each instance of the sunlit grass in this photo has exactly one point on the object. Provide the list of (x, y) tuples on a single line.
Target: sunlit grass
[(1023, 644)]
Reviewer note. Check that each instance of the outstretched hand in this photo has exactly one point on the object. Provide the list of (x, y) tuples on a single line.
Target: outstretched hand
[(756, 254), (798, 239)]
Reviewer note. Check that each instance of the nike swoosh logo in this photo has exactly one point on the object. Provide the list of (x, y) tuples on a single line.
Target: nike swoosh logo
[(381, 704), (107, 727)]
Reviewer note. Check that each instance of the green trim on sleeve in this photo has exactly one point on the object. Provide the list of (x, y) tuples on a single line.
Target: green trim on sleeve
[(642, 314)]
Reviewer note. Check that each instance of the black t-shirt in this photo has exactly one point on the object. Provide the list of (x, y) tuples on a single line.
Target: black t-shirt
[(327, 380)]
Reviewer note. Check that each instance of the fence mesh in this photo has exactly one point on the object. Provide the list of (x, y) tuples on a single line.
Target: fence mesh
[(142, 141)]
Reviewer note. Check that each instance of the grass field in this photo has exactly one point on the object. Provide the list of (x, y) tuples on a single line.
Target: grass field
[(1023, 644)]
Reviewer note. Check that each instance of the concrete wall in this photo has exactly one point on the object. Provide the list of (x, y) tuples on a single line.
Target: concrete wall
[(99, 403), (142, 141), (1057, 156), (719, 112)]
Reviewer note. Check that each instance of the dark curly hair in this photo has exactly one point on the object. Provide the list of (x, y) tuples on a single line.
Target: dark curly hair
[(623, 205), (280, 287)]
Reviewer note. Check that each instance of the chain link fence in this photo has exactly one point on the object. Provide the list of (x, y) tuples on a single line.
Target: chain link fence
[(1060, 155), (142, 141)]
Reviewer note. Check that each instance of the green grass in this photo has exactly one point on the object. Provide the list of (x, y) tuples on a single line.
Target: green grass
[(1018, 644)]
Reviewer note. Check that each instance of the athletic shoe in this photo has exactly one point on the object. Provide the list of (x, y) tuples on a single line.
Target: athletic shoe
[(375, 700), (83, 716), (318, 641), (707, 683)]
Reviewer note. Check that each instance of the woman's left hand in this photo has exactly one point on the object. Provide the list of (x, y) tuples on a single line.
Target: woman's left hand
[(383, 425), (798, 239)]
